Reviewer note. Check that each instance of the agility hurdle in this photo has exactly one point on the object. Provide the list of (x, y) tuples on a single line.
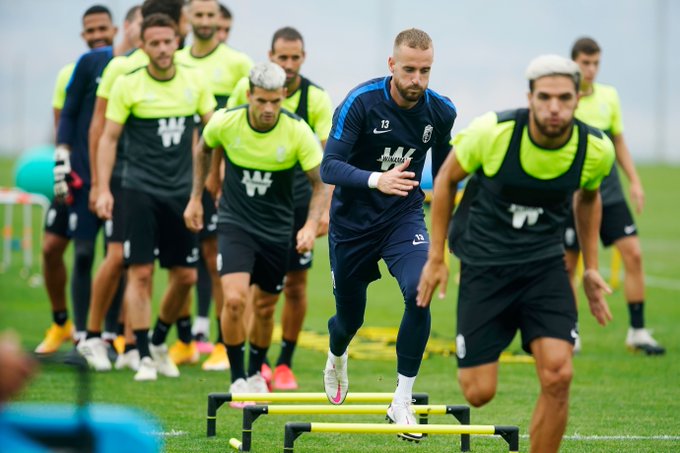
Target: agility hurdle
[(294, 429), (216, 400), (252, 413)]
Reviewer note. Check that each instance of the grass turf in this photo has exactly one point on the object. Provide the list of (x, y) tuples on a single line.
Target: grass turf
[(619, 401)]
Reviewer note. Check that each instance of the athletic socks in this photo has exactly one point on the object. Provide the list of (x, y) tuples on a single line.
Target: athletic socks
[(91, 334), (60, 317), (286, 356), (404, 388), (201, 326), (184, 329), (256, 358), (636, 310), (236, 356), (160, 332), (203, 290), (142, 337), (219, 332)]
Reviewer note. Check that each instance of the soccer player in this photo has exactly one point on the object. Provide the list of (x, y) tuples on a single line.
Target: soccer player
[(526, 165), (224, 24), (98, 31), (108, 277), (599, 107), (262, 144), (223, 68), (72, 144), (375, 156), (156, 103), (312, 104)]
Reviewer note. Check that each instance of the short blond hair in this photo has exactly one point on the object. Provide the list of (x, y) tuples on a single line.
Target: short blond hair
[(413, 38)]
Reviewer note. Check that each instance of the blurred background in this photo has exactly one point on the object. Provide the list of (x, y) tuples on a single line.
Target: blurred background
[(481, 51)]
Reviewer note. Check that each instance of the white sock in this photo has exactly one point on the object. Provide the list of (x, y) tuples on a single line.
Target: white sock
[(109, 336), (404, 390), (201, 325), (337, 360)]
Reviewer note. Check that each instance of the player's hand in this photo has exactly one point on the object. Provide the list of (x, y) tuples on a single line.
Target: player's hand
[(322, 229), (62, 168), (92, 200), (435, 273), (637, 196), (595, 288), (397, 181), (193, 215), (305, 237), (104, 205)]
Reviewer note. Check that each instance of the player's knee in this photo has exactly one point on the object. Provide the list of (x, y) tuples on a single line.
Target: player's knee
[(477, 392), (140, 275), (233, 306), (52, 251), (84, 255), (633, 257), (265, 312), (556, 379), (294, 290), (185, 276)]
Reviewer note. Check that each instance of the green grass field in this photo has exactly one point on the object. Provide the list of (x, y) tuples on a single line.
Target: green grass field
[(620, 402)]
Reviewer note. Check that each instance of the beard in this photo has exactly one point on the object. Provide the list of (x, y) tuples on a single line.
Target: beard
[(412, 93), (552, 131), (200, 33)]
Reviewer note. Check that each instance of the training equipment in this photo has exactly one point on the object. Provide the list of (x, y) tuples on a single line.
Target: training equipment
[(216, 400), (252, 413), (294, 429)]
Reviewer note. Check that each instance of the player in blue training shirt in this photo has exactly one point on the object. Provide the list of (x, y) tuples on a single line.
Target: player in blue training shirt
[(375, 156)]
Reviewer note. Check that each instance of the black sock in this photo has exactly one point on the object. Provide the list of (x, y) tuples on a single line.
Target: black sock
[(131, 347), (219, 331), (160, 332), (142, 337), (256, 358), (81, 282), (203, 289), (60, 317), (91, 334), (184, 329), (287, 349), (236, 355), (120, 329), (636, 310)]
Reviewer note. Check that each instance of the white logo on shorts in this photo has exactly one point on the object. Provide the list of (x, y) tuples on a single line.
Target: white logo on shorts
[(193, 257), (306, 258), (126, 249), (219, 262), (333, 278), (51, 215), (460, 346), (570, 236), (73, 221), (212, 226), (574, 334), (108, 228), (629, 229)]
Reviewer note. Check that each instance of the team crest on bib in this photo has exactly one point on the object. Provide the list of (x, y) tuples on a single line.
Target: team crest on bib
[(427, 133)]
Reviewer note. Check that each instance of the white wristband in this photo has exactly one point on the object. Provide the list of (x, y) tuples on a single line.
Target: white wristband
[(373, 179)]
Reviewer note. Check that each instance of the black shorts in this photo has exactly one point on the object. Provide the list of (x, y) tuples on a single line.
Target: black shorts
[(496, 301), (209, 217), (153, 222), (114, 229), (83, 224), (239, 251), (299, 261), (617, 223), (56, 220)]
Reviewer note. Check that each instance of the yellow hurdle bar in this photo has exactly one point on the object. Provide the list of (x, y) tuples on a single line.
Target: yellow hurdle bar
[(294, 429), (215, 400), (252, 413)]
